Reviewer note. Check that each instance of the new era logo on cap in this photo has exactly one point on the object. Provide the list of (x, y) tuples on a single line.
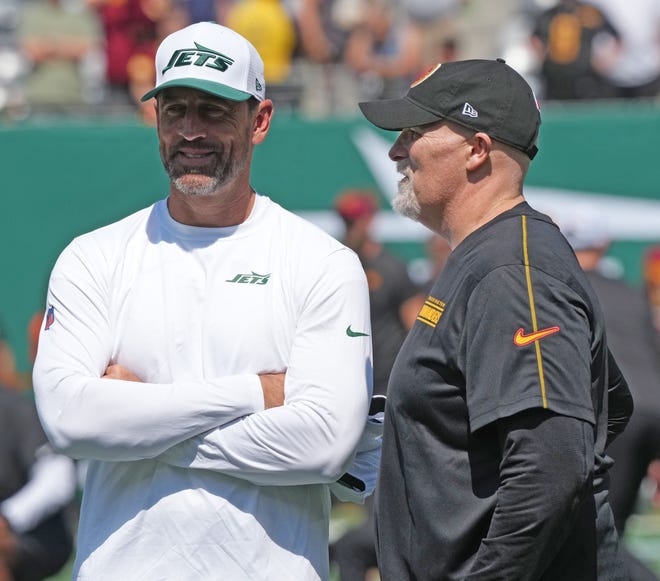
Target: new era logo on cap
[(211, 58), (470, 111)]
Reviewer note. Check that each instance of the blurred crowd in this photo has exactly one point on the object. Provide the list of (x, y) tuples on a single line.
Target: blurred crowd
[(81, 57)]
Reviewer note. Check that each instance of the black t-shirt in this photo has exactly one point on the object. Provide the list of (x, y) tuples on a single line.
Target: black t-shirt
[(510, 325)]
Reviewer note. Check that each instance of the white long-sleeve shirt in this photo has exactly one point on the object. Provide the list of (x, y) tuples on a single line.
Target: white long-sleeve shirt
[(189, 477)]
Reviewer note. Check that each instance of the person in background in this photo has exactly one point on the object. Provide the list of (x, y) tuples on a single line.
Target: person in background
[(197, 353), (62, 43), (9, 376), (384, 49), (576, 46), (324, 26), (651, 278), (394, 299), (504, 396), (630, 337), (130, 39), (37, 491), (271, 29)]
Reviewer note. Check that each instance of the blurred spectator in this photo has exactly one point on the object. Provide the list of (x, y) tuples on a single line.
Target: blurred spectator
[(636, 70), (12, 70), (437, 24), (130, 32), (324, 27), (395, 299), (482, 26), (60, 38), (140, 65), (437, 251), (206, 10), (270, 28), (651, 275), (36, 489), (576, 46), (385, 49), (630, 337), (9, 376)]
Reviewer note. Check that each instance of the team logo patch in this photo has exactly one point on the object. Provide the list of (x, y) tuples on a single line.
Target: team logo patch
[(520, 339), (469, 110), (252, 278), (200, 56), (50, 317), (431, 311), (425, 75)]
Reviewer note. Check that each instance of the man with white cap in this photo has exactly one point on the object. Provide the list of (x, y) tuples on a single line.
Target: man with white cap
[(210, 355), (504, 395)]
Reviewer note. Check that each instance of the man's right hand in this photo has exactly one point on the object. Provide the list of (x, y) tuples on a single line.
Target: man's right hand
[(272, 385)]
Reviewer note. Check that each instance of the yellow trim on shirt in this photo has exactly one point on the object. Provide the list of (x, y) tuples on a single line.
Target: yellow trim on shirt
[(532, 308)]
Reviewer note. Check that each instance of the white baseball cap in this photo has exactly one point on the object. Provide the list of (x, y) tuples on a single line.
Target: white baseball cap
[(211, 58)]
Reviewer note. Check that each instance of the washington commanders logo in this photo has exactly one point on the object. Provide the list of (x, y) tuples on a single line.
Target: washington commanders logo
[(199, 56), (425, 75), (431, 312)]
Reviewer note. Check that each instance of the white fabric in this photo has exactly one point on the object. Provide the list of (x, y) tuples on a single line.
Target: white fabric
[(197, 313), (51, 486), (211, 53), (367, 460)]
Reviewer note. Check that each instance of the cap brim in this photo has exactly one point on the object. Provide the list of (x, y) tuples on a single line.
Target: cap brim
[(216, 89), (396, 114)]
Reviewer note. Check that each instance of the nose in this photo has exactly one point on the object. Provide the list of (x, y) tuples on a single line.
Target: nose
[(192, 126), (398, 151)]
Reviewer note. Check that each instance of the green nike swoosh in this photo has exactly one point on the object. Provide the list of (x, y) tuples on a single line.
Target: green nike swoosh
[(352, 333)]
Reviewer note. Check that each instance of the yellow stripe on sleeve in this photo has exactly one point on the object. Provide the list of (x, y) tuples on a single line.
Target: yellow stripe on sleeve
[(530, 292)]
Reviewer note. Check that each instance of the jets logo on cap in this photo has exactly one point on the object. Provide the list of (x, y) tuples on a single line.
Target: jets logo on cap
[(199, 56)]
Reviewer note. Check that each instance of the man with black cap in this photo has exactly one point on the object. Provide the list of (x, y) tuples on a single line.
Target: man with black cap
[(504, 395), (210, 356)]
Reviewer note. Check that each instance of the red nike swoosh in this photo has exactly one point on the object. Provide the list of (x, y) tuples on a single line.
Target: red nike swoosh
[(520, 339)]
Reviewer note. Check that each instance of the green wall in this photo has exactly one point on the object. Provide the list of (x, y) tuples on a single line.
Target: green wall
[(61, 178)]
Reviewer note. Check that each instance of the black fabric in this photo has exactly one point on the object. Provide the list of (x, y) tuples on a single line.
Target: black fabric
[(483, 95), (460, 372)]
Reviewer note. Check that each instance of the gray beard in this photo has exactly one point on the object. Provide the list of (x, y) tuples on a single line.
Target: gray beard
[(196, 184), (405, 202)]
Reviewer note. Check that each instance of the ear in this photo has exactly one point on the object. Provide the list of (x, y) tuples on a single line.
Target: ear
[(480, 148), (261, 123)]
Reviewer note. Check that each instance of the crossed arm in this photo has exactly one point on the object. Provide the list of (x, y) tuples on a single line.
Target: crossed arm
[(234, 424)]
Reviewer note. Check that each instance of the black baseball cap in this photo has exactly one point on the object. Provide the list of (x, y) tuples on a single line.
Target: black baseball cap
[(483, 95)]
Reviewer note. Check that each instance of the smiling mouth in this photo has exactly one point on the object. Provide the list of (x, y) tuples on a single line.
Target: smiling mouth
[(194, 154)]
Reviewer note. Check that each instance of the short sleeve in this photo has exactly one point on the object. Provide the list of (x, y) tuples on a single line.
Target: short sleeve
[(526, 344)]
